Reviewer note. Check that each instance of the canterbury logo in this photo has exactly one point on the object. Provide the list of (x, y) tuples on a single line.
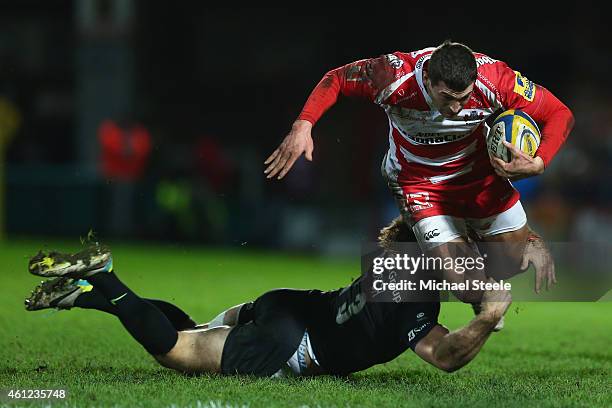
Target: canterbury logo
[(431, 234)]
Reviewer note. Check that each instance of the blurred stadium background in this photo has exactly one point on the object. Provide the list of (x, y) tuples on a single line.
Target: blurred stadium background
[(151, 120)]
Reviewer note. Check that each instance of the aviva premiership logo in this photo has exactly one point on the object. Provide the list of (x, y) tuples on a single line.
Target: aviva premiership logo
[(524, 87)]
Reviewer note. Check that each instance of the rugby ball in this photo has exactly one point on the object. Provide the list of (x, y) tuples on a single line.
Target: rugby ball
[(515, 127)]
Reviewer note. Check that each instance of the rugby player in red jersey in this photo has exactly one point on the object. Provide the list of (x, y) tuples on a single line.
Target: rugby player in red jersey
[(438, 101)]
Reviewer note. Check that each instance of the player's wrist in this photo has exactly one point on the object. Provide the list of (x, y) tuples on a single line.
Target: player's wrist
[(538, 165), (302, 124), (490, 318)]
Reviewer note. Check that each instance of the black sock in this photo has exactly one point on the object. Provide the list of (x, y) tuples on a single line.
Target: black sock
[(95, 300), (179, 319), (146, 323)]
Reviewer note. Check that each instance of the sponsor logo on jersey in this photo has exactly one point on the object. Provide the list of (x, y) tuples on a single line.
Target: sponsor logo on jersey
[(435, 138), (419, 63), (485, 60), (524, 87), (473, 115), (431, 234), (412, 333)]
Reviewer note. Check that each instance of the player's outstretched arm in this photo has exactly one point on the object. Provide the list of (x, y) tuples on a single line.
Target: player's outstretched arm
[(364, 78), (297, 142), (449, 351)]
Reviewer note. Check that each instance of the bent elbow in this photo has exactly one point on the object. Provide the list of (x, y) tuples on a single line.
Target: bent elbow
[(571, 121), (468, 296), (448, 367)]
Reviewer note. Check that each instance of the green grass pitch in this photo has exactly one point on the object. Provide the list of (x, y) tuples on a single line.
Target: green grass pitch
[(550, 354)]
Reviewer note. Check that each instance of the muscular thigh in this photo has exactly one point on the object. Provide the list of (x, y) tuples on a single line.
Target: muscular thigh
[(505, 252), (501, 240), (502, 237), (197, 351)]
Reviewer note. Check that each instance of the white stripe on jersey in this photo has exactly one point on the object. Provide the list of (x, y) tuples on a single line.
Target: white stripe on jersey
[(419, 128), (414, 54), (418, 69), (440, 161), (427, 127), (491, 97), (385, 93), (439, 179), (391, 166)]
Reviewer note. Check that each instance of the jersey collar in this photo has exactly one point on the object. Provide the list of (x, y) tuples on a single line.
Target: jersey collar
[(418, 70)]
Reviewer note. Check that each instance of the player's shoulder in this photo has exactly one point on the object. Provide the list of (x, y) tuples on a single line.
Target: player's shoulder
[(490, 67), (393, 75), (414, 59), (484, 60), (493, 74), (406, 61)]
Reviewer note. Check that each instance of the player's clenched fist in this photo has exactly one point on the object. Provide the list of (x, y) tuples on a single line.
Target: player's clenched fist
[(298, 141)]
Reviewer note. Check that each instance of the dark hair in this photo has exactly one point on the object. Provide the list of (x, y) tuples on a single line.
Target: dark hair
[(453, 63)]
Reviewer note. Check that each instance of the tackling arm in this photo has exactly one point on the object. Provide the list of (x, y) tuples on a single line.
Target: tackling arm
[(449, 351)]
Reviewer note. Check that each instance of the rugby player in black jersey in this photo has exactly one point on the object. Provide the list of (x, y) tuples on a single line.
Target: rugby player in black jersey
[(304, 332)]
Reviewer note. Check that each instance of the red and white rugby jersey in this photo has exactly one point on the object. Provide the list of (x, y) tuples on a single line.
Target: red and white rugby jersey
[(424, 146)]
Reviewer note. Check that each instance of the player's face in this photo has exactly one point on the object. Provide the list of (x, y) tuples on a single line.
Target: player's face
[(448, 102)]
